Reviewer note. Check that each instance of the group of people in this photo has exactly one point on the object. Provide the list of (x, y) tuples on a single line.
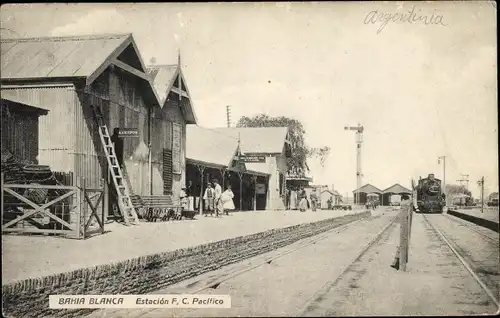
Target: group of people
[(299, 200), (216, 200)]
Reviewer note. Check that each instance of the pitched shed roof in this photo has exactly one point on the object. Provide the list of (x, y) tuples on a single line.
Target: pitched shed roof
[(209, 147), (397, 188), (368, 188), (70, 57), (22, 107), (163, 78), (265, 140), (76, 56)]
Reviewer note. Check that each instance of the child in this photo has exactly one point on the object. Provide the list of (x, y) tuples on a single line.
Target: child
[(227, 200), (209, 199)]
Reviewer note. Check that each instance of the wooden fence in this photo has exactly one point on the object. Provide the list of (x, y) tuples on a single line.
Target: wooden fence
[(72, 211)]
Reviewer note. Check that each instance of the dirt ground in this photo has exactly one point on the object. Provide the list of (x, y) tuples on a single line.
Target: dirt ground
[(34, 256)]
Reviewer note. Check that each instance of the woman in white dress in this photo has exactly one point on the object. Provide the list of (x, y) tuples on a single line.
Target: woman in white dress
[(227, 200)]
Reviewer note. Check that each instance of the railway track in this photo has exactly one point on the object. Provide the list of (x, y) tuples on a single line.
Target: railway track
[(210, 282), (483, 271), (484, 232)]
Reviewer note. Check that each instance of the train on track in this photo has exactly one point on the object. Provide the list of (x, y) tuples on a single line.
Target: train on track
[(430, 198)]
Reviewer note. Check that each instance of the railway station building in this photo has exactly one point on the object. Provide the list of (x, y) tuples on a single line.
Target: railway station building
[(212, 154), (394, 189), (272, 143), (363, 192)]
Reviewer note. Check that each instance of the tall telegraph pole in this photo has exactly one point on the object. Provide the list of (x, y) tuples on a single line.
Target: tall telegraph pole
[(359, 141), (481, 184)]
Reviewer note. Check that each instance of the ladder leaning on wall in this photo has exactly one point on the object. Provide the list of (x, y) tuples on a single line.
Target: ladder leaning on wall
[(124, 202)]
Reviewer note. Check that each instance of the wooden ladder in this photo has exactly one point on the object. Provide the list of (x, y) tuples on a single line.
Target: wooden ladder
[(124, 202)]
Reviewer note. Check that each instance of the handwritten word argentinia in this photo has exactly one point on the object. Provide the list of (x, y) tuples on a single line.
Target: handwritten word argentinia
[(402, 17)]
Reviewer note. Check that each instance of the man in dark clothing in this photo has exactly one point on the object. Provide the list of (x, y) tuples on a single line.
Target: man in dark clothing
[(118, 145)]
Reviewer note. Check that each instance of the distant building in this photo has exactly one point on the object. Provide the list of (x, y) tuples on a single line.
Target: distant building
[(274, 144)]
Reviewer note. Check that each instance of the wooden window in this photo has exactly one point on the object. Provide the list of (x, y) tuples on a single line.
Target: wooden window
[(167, 171)]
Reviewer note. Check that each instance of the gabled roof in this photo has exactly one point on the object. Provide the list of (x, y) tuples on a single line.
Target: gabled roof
[(70, 58), (163, 78), (328, 192), (397, 189), (262, 140), (76, 56), (209, 147), (368, 188)]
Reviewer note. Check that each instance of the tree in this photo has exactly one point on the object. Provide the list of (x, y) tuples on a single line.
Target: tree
[(453, 189), (297, 164)]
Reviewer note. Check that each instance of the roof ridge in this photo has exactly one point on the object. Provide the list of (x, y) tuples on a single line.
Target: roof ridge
[(69, 37)]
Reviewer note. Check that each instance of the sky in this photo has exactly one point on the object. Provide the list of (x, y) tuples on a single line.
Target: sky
[(420, 90)]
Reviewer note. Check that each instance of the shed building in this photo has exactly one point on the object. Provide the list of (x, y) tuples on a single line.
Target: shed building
[(67, 75), (394, 189), (363, 193), (20, 129)]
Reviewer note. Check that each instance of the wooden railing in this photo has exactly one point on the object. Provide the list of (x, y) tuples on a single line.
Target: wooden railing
[(52, 209)]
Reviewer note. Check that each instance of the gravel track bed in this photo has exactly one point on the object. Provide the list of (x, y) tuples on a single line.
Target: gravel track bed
[(481, 254), (435, 282)]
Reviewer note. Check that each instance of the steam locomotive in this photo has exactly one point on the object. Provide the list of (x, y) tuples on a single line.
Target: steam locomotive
[(430, 198)]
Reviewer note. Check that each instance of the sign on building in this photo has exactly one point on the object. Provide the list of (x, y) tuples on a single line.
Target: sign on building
[(176, 148), (128, 132), (252, 158)]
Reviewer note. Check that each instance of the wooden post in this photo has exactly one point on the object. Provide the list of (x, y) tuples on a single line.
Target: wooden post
[(201, 169), (78, 207), (404, 233), (104, 204), (254, 179), (240, 174), (84, 202), (2, 197)]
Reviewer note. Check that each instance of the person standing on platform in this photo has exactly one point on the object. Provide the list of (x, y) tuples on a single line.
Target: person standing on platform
[(227, 200), (314, 200), (190, 198), (303, 204), (209, 199), (217, 198)]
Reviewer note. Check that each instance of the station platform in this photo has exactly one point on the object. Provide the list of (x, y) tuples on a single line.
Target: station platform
[(35, 256), (489, 213)]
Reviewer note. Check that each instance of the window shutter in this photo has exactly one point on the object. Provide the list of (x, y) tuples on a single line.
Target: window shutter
[(167, 171)]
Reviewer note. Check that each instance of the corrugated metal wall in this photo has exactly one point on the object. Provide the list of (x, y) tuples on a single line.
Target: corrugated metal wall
[(57, 129), (20, 133), (89, 155)]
